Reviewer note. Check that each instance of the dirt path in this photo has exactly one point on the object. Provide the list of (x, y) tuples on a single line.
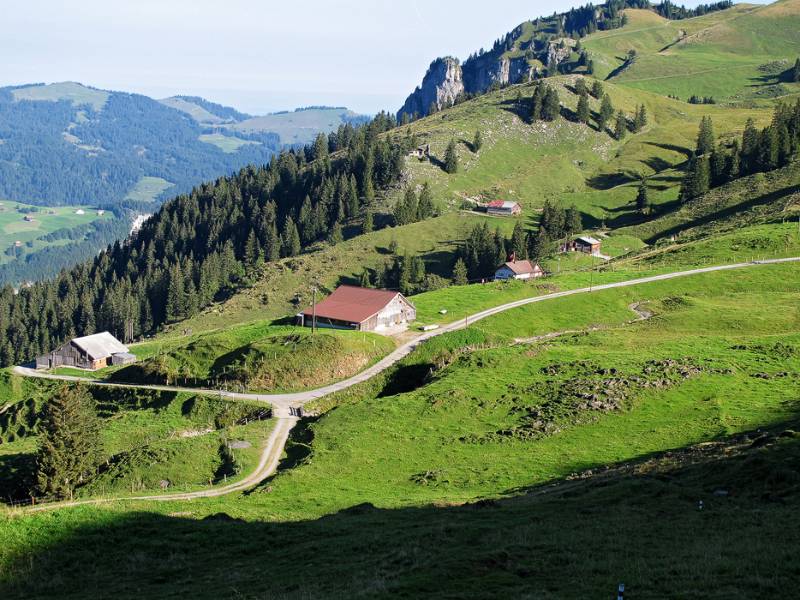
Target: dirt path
[(282, 403)]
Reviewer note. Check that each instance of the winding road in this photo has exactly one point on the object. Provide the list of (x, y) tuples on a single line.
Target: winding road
[(282, 404)]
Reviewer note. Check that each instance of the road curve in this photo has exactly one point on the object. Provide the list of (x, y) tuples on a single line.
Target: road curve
[(281, 403)]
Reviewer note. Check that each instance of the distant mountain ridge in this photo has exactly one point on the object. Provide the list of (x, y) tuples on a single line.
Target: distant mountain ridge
[(68, 143)]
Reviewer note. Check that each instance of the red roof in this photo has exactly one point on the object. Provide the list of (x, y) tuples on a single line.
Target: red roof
[(521, 267), (353, 304)]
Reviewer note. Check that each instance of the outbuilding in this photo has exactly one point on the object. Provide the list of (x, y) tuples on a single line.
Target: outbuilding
[(360, 309), (586, 244), (503, 208), (518, 269), (89, 352)]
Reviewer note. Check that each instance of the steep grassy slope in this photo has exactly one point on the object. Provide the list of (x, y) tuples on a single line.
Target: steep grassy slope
[(496, 420), (151, 440), (255, 357), (739, 53), (566, 161)]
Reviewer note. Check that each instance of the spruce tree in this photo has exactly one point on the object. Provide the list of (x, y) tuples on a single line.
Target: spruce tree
[(451, 158), (176, 295), (336, 236), (705, 137), (460, 273), (477, 142), (640, 121), (551, 107), (273, 251), (582, 111), (642, 199), (597, 89), (425, 207), (70, 448), (620, 126), (369, 224), (537, 101), (519, 242), (605, 114), (573, 223), (291, 238), (749, 147), (580, 87), (365, 281)]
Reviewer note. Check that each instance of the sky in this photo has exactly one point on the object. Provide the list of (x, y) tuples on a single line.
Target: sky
[(258, 56)]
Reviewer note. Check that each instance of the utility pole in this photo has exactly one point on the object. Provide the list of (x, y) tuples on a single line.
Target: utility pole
[(314, 312), (591, 274)]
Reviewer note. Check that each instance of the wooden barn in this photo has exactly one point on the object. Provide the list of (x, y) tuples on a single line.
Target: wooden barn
[(503, 208), (361, 309), (90, 352), (586, 244), (518, 269)]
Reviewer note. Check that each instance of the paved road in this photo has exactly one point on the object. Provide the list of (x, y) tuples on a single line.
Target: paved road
[(282, 403)]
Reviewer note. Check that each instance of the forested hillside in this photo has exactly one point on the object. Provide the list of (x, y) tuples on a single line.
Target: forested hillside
[(207, 243), (67, 144)]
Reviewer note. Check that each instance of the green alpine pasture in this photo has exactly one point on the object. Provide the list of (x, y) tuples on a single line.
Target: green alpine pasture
[(43, 220), (147, 189)]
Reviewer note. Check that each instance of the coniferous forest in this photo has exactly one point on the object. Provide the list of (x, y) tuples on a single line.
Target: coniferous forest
[(202, 245)]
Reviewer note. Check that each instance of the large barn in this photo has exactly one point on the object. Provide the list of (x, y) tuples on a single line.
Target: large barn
[(89, 352), (361, 309)]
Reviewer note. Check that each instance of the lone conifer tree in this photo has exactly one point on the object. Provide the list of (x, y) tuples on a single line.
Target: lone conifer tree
[(583, 107), (451, 158), (70, 447), (460, 273), (705, 137), (606, 112), (551, 106), (477, 142), (621, 126), (369, 222), (640, 121), (642, 199), (597, 89)]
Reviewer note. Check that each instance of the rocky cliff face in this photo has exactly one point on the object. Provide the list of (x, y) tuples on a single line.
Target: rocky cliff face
[(440, 87), (446, 79)]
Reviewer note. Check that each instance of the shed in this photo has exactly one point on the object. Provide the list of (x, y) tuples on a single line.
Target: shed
[(361, 309), (503, 208), (89, 352), (586, 244)]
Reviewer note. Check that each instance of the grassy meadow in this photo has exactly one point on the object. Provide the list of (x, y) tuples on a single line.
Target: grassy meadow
[(564, 443), (14, 228)]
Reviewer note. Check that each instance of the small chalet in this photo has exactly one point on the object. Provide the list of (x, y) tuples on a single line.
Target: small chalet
[(518, 269), (28, 218), (89, 352), (362, 309), (420, 151), (586, 244), (503, 208)]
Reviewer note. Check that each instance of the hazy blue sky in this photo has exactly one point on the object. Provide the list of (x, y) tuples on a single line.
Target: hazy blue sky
[(258, 56)]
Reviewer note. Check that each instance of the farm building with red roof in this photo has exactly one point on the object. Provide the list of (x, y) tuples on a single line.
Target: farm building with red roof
[(362, 309)]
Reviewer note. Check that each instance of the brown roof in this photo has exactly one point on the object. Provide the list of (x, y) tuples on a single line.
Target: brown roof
[(521, 267), (352, 304)]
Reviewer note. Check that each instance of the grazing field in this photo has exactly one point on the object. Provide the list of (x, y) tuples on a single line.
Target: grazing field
[(578, 439), (299, 126), (148, 189), (43, 220), (76, 93), (736, 54), (226, 143)]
